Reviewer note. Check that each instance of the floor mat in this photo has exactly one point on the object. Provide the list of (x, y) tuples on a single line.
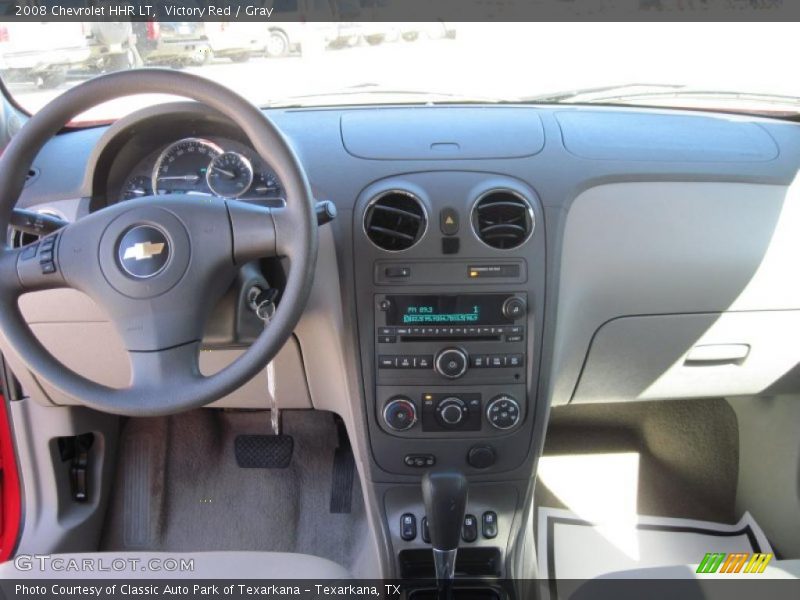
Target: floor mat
[(668, 459), (570, 547), (179, 488)]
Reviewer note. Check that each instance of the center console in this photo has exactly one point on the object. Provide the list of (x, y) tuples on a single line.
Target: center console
[(476, 341), (450, 275)]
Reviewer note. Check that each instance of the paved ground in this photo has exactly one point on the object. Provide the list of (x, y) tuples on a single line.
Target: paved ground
[(513, 60)]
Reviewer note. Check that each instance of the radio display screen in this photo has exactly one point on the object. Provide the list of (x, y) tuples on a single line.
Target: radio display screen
[(467, 309)]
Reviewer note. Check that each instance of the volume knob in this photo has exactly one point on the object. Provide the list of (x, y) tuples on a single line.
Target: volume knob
[(514, 307), (451, 363)]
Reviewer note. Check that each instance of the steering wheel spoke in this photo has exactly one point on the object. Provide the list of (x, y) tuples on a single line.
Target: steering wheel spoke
[(253, 229), (32, 268), (158, 369)]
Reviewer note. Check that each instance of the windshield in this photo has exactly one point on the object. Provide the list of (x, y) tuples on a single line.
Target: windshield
[(727, 66)]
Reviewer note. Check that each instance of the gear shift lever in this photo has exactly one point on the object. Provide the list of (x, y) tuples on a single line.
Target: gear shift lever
[(445, 497)]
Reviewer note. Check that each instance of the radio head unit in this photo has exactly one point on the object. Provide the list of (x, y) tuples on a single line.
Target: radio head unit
[(451, 309)]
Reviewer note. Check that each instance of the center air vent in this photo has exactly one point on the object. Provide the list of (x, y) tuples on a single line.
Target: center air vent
[(502, 219), (395, 220)]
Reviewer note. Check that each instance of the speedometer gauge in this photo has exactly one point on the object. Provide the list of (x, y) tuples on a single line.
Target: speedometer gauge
[(182, 167), (229, 175)]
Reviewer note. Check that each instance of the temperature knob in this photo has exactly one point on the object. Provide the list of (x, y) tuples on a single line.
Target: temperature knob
[(400, 414), (451, 363)]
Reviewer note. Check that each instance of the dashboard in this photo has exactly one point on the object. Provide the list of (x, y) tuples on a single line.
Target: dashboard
[(487, 263)]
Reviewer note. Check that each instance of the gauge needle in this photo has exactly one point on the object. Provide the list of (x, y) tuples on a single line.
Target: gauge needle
[(192, 178), (139, 192), (228, 174)]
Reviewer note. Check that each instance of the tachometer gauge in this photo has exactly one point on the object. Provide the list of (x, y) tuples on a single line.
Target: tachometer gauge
[(229, 175), (137, 187), (182, 167)]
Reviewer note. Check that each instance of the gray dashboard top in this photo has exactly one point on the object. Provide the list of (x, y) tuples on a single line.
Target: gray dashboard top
[(559, 151)]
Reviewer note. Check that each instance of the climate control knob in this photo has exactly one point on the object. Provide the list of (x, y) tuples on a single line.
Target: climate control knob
[(451, 363), (400, 414), (451, 411), (503, 412)]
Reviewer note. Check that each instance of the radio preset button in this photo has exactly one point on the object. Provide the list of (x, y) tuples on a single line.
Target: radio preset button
[(514, 360), (423, 362), (387, 362), (451, 363), (478, 362), (405, 362)]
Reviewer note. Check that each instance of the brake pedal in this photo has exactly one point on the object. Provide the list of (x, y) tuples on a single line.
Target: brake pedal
[(263, 451), (266, 451)]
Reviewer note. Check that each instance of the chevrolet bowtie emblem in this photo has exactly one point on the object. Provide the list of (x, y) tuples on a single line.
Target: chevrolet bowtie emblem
[(143, 251)]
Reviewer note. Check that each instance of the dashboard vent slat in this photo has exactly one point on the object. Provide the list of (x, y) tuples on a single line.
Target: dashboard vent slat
[(395, 220), (502, 219)]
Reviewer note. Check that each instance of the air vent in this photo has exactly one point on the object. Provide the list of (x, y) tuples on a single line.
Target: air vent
[(22, 238), (395, 220), (502, 219)]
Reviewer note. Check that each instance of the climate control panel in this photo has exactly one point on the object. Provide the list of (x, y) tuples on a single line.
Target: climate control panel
[(443, 412)]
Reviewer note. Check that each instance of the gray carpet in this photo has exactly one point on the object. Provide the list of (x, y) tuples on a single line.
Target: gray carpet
[(178, 488), (688, 450)]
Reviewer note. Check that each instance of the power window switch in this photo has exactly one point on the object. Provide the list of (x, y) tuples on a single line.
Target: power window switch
[(408, 527), (426, 532), (469, 532), (489, 524)]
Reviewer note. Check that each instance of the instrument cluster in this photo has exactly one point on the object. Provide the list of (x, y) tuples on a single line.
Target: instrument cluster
[(201, 166)]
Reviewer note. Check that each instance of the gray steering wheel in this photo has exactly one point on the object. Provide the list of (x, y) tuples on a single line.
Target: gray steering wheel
[(157, 265)]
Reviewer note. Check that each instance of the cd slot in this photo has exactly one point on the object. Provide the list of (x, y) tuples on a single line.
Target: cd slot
[(460, 338)]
